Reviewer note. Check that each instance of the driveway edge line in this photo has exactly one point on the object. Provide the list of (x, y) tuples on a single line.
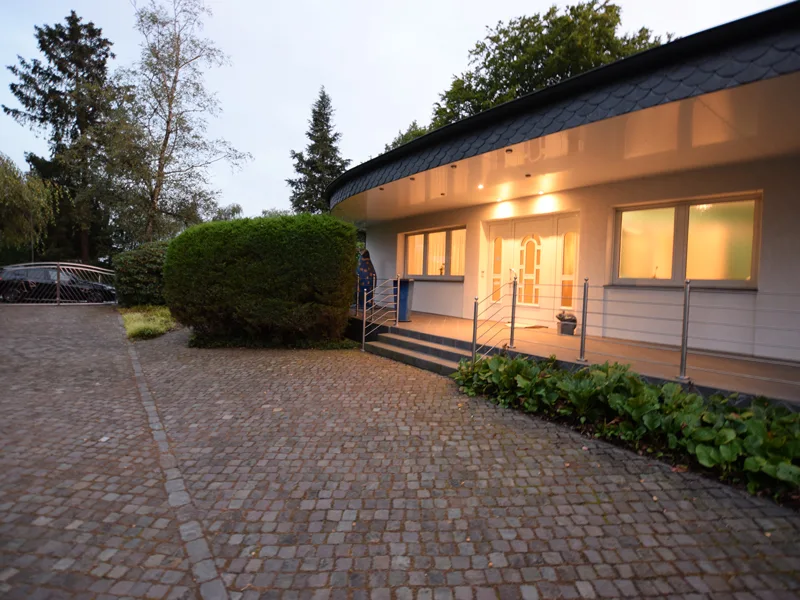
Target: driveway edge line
[(197, 548)]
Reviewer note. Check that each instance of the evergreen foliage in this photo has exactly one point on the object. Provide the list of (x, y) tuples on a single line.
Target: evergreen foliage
[(321, 161), (284, 280), (140, 275)]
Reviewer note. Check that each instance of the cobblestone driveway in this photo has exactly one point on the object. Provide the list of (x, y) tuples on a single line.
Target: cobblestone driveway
[(175, 472)]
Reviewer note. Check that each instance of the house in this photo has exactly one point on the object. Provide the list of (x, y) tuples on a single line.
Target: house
[(679, 163)]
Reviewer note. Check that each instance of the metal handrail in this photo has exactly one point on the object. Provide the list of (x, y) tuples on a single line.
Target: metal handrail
[(477, 344), (373, 319)]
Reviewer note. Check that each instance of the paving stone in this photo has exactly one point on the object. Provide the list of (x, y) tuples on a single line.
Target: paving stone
[(303, 481)]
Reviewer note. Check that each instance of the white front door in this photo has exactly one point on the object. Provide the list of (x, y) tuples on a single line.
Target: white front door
[(542, 252)]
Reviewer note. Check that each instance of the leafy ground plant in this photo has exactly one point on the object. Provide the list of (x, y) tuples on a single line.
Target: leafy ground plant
[(757, 445), (147, 322)]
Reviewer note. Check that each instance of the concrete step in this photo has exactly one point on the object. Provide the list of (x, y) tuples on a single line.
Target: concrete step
[(424, 346), (415, 358)]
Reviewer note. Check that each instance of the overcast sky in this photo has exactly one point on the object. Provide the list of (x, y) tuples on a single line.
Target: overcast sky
[(383, 62)]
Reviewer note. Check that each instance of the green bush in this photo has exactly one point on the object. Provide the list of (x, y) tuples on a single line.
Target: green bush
[(140, 275), (758, 444), (285, 280)]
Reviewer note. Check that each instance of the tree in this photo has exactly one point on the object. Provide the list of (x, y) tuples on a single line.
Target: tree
[(403, 137), (66, 95), (163, 153), (26, 206), (530, 53), (321, 162), (227, 213)]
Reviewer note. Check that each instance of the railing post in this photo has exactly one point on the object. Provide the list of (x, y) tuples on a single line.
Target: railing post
[(584, 316), (397, 303), (474, 330), (58, 284), (513, 311), (364, 323), (685, 332)]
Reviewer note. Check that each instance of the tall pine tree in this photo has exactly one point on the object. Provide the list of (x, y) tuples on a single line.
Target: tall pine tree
[(321, 162), (66, 95)]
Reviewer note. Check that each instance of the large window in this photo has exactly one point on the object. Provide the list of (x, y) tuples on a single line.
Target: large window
[(709, 242), (436, 253)]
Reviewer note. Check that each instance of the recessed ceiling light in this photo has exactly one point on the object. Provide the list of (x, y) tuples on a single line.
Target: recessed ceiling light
[(527, 174), (480, 186), (509, 150), (541, 192)]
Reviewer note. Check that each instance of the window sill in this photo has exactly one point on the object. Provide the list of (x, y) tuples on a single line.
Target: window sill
[(679, 288), (445, 278)]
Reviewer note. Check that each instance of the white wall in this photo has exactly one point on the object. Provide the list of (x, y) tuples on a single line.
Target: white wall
[(765, 323)]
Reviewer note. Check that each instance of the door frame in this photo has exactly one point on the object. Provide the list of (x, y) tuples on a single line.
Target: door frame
[(510, 248)]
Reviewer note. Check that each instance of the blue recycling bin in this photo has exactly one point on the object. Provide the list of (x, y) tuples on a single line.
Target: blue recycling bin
[(404, 301)]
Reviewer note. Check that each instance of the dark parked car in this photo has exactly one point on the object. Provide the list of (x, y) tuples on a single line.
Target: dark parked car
[(40, 284)]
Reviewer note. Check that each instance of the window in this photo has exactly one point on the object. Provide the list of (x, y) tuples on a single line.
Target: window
[(713, 243), (646, 243), (415, 253), (437, 253)]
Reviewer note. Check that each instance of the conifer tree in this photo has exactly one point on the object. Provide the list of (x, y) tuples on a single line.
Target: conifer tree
[(321, 161)]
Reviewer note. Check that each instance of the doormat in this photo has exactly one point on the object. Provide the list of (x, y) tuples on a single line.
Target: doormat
[(523, 325)]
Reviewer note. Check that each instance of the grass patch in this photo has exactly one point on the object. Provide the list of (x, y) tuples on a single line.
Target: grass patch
[(147, 322)]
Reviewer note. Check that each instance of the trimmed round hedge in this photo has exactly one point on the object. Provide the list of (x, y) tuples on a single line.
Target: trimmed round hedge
[(139, 274), (285, 280)]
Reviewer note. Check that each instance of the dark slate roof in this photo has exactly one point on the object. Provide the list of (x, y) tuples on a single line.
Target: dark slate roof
[(759, 47)]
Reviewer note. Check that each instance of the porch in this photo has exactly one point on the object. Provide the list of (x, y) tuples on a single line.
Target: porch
[(706, 369)]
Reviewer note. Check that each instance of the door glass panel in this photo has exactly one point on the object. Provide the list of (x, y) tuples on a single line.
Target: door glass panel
[(415, 245), (527, 291), (497, 268), (497, 261), (458, 249), (566, 293), (721, 241), (645, 250), (530, 252), (568, 260), (437, 243), (568, 267), (529, 271)]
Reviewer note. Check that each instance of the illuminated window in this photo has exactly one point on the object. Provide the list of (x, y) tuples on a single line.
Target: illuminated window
[(437, 253), (415, 245), (458, 249), (707, 242), (721, 241), (646, 243)]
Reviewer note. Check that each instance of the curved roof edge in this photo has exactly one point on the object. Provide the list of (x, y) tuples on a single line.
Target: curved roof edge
[(757, 47)]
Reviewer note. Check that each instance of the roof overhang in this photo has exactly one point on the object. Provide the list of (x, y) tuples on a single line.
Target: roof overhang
[(751, 122), (716, 83)]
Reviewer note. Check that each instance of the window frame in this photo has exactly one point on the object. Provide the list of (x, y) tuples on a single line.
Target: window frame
[(680, 244), (447, 259)]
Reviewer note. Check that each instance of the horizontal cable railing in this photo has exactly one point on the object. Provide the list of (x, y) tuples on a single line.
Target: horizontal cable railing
[(379, 306), (753, 337)]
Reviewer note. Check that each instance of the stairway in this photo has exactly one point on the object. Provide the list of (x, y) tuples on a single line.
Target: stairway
[(429, 352)]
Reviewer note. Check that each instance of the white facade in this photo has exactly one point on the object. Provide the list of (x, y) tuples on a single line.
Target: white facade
[(760, 321)]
